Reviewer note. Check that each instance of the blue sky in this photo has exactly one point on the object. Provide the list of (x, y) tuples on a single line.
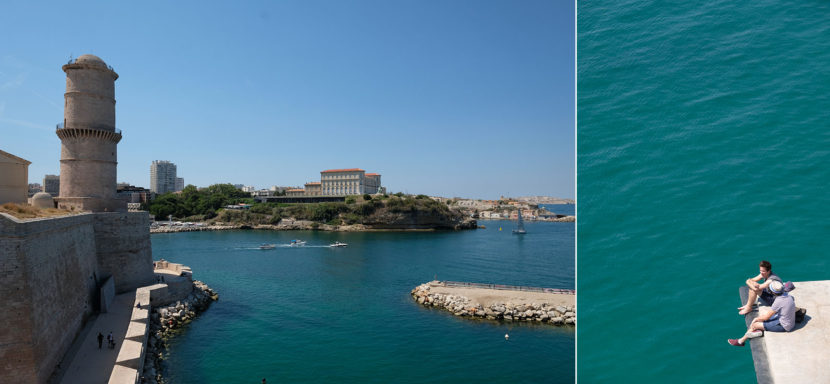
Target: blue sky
[(451, 98)]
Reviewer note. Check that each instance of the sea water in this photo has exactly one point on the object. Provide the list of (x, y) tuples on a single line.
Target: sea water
[(322, 314), (703, 147)]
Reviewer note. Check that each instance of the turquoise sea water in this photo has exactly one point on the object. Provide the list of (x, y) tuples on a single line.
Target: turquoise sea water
[(317, 314), (703, 147)]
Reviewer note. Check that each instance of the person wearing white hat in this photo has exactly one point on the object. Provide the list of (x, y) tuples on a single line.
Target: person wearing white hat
[(780, 317)]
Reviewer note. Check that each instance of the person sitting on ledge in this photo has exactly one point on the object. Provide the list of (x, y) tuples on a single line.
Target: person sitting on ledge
[(779, 318), (757, 290)]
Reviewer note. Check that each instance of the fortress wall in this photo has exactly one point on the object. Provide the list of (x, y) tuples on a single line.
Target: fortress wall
[(55, 281), (17, 363), (124, 251)]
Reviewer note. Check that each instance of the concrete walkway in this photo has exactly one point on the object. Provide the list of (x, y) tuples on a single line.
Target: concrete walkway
[(93, 365), (802, 355)]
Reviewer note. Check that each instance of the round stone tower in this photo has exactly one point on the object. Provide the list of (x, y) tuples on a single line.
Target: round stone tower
[(89, 138)]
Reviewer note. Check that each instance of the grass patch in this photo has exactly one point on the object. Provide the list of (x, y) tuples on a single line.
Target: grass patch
[(22, 211)]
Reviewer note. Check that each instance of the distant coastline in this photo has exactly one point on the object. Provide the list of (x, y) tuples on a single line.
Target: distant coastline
[(545, 200)]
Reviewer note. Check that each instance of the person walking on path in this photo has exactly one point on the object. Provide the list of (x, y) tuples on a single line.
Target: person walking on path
[(110, 341), (779, 318), (760, 290), (100, 339)]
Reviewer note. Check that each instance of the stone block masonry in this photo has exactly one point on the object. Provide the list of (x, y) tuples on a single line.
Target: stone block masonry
[(47, 289), (122, 242), (50, 274)]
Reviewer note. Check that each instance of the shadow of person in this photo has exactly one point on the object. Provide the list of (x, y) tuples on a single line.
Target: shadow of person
[(802, 324)]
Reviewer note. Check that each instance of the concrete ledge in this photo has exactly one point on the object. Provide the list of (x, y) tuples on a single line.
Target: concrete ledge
[(129, 354), (121, 374), (802, 355), (136, 331)]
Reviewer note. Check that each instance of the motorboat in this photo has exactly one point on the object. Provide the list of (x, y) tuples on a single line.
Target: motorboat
[(296, 243), (267, 246), (338, 244)]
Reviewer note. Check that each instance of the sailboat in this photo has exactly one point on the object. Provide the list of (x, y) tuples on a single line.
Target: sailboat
[(520, 230)]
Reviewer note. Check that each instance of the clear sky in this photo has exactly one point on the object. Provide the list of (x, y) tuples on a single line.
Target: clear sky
[(450, 98)]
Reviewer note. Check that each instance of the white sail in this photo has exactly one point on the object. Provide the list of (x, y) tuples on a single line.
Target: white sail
[(520, 224)]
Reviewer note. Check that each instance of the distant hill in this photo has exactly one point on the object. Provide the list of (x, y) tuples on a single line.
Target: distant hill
[(545, 200)]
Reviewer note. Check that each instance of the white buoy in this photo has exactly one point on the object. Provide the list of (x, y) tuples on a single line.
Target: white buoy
[(506, 336)]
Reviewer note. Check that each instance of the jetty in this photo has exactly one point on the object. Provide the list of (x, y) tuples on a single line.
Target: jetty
[(499, 302), (799, 356)]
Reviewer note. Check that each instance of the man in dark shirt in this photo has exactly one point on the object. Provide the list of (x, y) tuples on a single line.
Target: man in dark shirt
[(760, 290), (779, 318)]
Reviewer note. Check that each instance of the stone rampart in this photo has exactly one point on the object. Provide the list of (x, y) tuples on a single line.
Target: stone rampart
[(47, 289), (122, 241), (51, 272)]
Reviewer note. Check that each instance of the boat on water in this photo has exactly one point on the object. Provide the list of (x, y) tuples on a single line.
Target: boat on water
[(267, 246), (296, 243), (338, 244), (520, 225)]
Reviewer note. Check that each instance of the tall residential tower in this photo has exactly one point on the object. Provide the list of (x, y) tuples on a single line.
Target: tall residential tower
[(162, 177)]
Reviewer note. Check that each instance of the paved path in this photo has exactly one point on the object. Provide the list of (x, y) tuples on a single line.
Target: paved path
[(93, 365), (802, 355)]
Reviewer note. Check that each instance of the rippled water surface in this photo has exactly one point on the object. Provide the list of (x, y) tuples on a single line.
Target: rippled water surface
[(320, 314), (703, 148)]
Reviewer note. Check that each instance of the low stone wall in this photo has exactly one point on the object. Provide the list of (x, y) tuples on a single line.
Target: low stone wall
[(166, 320), (175, 267), (130, 359), (503, 311)]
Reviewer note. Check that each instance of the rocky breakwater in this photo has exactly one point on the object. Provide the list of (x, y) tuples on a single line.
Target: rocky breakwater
[(166, 321), (193, 228), (497, 304)]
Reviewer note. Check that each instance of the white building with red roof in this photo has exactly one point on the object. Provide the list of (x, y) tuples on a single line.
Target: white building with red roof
[(349, 181)]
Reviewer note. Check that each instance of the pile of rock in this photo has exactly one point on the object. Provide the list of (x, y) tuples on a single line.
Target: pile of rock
[(165, 320), (192, 228), (462, 306)]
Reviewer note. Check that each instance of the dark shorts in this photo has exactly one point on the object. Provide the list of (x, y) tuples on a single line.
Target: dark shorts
[(773, 324), (766, 298)]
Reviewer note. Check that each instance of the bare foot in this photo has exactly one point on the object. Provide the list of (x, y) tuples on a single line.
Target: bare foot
[(744, 311)]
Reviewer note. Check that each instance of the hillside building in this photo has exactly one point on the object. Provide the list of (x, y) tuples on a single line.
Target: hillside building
[(351, 181), (313, 188), (294, 192)]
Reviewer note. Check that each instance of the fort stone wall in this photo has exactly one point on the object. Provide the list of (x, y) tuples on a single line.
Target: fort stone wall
[(51, 291), (124, 252)]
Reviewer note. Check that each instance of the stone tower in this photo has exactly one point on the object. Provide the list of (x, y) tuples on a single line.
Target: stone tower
[(89, 138)]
